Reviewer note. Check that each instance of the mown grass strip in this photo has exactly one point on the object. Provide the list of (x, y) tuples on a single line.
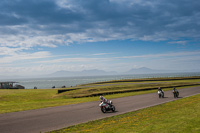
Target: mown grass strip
[(182, 116), (125, 89), (127, 85), (146, 80)]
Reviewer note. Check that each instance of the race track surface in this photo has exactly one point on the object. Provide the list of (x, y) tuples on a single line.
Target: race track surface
[(47, 119)]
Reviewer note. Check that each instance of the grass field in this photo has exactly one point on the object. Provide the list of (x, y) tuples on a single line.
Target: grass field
[(182, 116), (130, 85), (27, 99)]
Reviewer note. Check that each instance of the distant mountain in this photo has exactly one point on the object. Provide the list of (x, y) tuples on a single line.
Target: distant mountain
[(93, 72), (145, 70), (96, 72)]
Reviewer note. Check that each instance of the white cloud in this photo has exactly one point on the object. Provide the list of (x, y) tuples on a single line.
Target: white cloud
[(186, 53), (64, 22), (26, 41), (10, 51), (179, 42), (103, 54), (29, 25), (24, 56), (167, 61), (75, 60)]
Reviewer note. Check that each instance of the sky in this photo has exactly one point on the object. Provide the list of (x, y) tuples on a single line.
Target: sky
[(44, 36)]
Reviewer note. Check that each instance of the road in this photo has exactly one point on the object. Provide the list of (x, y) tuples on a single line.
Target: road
[(47, 119)]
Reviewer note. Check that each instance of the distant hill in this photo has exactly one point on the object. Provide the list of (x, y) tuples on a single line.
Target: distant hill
[(145, 70), (96, 72), (93, 72)]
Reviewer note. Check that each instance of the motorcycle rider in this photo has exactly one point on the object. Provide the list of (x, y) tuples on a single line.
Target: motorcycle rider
[(175, 90), (106, 105), (103, 99), (159, 89), (160, 92)]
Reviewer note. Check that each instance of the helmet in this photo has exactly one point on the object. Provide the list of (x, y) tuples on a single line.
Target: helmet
[(101, 97)]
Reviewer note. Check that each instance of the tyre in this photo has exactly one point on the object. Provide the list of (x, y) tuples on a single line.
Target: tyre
[(163, 95), (113, 108), (103, 109), (176, 95)]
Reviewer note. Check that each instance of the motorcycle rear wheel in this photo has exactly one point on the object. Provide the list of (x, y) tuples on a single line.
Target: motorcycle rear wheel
[(113, 108)]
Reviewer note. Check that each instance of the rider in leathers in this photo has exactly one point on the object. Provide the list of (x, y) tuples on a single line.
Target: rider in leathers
[(159, 89), (104, 100), (175, 90)]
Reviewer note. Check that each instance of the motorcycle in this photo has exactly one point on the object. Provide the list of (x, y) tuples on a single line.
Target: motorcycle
[(176, 94), (107, 106), (161, 94)]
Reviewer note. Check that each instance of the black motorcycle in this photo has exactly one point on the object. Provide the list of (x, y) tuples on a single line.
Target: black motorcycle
[(176, 94)]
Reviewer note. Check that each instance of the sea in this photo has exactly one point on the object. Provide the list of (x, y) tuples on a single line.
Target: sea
[(58, 82)]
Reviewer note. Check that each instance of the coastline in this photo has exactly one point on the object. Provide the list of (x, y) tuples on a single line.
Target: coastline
[(58, 82)]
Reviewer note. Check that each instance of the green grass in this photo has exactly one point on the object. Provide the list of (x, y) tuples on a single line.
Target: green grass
[(28, 99), (124, 88), (130, 85), (192, 78), (181, 116)]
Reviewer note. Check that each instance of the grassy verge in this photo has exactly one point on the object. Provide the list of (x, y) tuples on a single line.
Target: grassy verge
[(27, 99), (125, 88), (182, 116), (20, 100), (192, 78)]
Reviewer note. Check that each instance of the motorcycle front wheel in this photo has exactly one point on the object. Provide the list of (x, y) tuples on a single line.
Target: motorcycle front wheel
[(103, 110)]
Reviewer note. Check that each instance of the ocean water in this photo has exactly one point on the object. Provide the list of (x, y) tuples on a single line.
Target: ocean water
[(47, 83)]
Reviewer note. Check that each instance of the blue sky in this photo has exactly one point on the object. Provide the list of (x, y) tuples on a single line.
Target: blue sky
[(42, 37)]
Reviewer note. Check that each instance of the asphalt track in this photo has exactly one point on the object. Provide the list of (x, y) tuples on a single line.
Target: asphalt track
[(47, 119)]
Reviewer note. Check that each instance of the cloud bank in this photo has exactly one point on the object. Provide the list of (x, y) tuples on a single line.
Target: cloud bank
[(47, 23), (30, 28)]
